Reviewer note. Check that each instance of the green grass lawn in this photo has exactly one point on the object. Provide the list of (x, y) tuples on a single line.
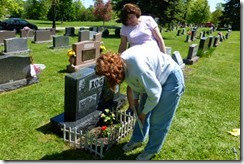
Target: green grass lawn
[(208, 109)]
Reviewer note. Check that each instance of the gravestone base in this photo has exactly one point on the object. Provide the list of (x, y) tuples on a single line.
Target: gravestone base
[(25, 52), (18, 83), (45, 41), (191, 61), (52, 47), (58, 122)]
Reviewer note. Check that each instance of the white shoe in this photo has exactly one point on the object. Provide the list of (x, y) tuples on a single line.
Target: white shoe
[(131, 145), (145, 156)]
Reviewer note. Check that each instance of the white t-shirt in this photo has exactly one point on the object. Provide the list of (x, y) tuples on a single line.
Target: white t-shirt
[(146, 71), (140, 33)]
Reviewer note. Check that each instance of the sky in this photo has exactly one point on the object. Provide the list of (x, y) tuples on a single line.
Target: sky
[(212, 3)]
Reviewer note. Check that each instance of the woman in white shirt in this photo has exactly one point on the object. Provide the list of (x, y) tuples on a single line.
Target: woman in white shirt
[(159, 81)]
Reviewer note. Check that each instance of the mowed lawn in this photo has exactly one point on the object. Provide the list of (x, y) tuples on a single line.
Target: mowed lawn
[(209, 108)]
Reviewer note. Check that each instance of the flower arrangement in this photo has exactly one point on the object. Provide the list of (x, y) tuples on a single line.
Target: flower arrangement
[(189, 33), (107, 117), (71, 53), (104, 131), (102, 48)]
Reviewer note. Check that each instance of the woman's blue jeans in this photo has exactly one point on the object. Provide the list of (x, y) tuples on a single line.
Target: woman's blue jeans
[(158, 121)]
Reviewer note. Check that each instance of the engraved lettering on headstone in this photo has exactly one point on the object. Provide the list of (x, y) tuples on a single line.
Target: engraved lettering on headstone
[(87, 102), (95, 83), (91, 45), (81, 84)]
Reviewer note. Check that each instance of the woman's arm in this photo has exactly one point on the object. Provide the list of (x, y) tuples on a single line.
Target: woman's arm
[(123, 44), (157, 35)]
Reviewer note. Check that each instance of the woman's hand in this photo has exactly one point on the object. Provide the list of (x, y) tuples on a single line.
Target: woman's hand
[(142, 117)]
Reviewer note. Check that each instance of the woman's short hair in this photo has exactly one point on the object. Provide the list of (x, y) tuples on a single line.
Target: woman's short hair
[(127, 9), (111, 66)]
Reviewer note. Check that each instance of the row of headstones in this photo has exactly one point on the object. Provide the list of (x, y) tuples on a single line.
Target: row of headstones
[(194, 50), (70, 31)]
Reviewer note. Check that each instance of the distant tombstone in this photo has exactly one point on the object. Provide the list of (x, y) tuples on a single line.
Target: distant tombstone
[(83, 35), (91, 35), (168, 50), (86, 52), (216, 41), (86, 96), (98, 37), (15, 46), (223, 36), (27, 33), (188, 38), (203, 46), (42, 36), (193, 35), (200, 35), (52, 31), (211, 42), (204, 34), (227, 35), (60, 42), (4, 34), (99, 29), (178, 59), (192, 55), (183, 31), (69, 31), (105, 33), (117, 32), (15, 72), (220, 37), (94, 28), (179, 32)]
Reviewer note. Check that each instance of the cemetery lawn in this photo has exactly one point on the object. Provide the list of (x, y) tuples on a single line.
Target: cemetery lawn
[(209, 108)]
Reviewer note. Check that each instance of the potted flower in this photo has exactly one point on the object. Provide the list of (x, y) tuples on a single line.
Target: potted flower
[(72, 56)]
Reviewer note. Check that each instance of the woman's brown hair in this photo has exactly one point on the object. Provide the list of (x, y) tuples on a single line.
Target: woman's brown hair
[(127, 9), (111, 66)]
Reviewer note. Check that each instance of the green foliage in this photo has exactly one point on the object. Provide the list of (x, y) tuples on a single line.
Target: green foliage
[(199, 12), (231, 14), (215, 16), (11, 6), (36, 9)]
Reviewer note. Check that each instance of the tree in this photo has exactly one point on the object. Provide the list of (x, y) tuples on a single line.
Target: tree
[(216, 15), (103, 11), (8, 6), (231, 14), (200, 12), (36, 9)]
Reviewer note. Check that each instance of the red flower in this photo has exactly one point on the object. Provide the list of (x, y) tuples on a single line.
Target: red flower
[(103, 128)]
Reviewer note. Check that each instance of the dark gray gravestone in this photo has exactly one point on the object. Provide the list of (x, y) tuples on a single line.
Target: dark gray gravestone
[(183, 31), (179, 32), (178, 59), (86, 96), (193, 35), (83, 35), (15, 72), (200, 35), (188, 38), (42, 36), (211, 42), (105, 33), (82, 93), (203, 44), (204, 34), (60, 42), (216, 41), (5, 35), (192, 55), (15, 46), (27, 33), (117, 32), (168, 50), (69, 31)]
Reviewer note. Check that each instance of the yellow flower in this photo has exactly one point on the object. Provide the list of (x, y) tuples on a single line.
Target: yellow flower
[(102, 48), (71, 53)]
